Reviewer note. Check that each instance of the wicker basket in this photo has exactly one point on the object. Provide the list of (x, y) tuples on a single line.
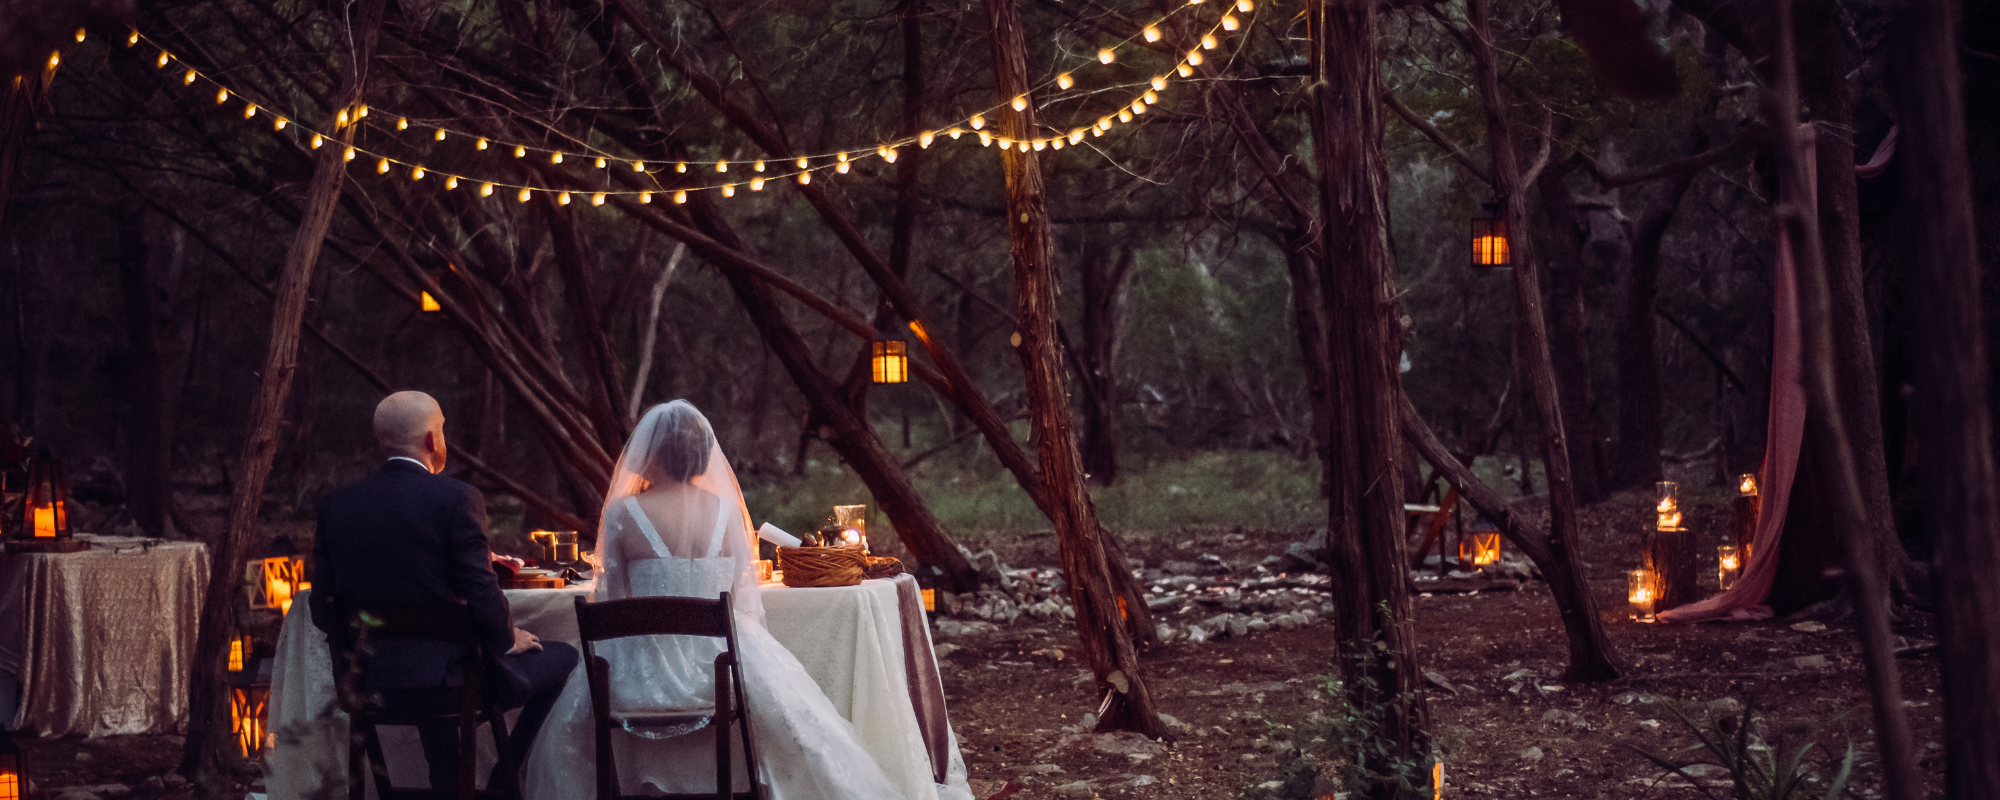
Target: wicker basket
[(823, 566), (883, 567)]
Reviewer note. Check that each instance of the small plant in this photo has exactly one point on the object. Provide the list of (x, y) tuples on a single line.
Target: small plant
[(1758, 771), (1351, 739)]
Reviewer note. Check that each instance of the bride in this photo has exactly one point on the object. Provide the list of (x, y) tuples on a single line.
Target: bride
[(674, 525)]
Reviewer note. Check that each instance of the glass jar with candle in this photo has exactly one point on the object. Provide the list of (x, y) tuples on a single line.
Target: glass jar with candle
[(1669, 505), (852, 518), (1746, 484), (1728, 566), (1642, 591)]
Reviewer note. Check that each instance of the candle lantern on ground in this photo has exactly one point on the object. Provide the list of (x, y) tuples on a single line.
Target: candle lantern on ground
[(890, 361), (276, 578), (249, 700), (1749, 505), (1479, 548), (1642, 591), (1489, 238), (853, 522), (242, 650), (1728, 566), (13, 769)]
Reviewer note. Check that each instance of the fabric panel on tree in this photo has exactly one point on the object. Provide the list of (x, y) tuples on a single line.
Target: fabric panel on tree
[(102, 640), (1787, 426)]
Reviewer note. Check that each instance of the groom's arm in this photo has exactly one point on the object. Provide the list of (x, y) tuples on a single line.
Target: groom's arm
[(471, 573)]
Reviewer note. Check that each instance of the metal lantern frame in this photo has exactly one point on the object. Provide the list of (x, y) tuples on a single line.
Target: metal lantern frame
[(41, 523), (889, 361), (249, 703), (1491, 247), (13, 769), (273, 581)]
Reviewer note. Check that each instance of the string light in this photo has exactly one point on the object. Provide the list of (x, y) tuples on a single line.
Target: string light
[(347, 156), (525, 194), (1159, 83), (1020, 102), (759, 166), (382, 166), (562, 199), (757, 184), (520, 151), (600, 162), (802, 163), (485, 190), (721, 166), (681, 167), (416, 173), (164, 58), (805, 178), (923, 140), (54, 59), (1245, 6), (1107, 55), (279, 124), (132, 40), (1152, 33), (79, 34), (729, 190), (1208, 41), (638, 166), (1194, 58), (680, 196), (250, 111), (318, 140), (1230, 22), (1064, 81), (189, 78), (403, 123), (451, 182), (646, 197), (1185, 70), (555, 158), (482, 144), (597, 199), (440, 134), (978, 121), (1151, 97)]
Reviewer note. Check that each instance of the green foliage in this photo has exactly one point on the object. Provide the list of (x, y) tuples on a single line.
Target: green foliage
[(1758, 770)]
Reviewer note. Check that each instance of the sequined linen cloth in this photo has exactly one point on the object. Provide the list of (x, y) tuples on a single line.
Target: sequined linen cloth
[(102, 641)]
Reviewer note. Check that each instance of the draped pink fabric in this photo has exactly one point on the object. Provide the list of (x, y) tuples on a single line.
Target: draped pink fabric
[(1879, 162), (1745, 601)]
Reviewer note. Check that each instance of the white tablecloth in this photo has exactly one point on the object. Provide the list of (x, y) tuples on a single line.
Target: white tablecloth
[(101, 640), (849, 638)]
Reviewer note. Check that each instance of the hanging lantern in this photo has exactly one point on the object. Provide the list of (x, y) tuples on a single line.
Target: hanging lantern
[(249, 700), (277, 578), (1728, 566), (1489, 238), (242, 651), (1641, 590), (43, 525), (1669, 505), (891, 361), (13, 769), (1748, 507)]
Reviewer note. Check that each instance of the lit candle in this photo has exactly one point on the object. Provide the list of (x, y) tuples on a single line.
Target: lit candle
[(45, 522), (1641, 592), (1669, 506), (1728, 566), (1747, 485)]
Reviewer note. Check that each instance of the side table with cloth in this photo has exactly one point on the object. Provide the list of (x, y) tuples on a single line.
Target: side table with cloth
[(308, 757), (102, 640)]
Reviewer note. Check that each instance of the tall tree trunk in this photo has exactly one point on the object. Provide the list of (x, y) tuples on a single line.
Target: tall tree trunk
[(1952, 417), (1833, 467), (149, 465), (1088, 565), (1586, 663), (1639, 387), (1372, 612), (1569, 333), (603, 380), (1105, 278), (206, 754)]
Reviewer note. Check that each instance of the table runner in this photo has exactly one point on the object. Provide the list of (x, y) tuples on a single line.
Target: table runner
[(102, 640)]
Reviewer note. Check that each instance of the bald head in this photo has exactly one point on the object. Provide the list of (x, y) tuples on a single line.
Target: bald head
[(411, 424)]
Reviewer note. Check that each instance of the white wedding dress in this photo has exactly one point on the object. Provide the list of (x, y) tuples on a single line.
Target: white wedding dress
[(691, 540)]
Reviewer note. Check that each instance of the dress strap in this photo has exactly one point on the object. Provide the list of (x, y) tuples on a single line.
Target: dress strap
[(646, 527)]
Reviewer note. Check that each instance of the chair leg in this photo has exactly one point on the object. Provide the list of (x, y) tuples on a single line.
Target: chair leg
[(725, 785), (503, 748), (377, 765)]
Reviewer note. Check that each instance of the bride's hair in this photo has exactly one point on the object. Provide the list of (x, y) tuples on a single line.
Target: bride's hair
[(681, 443)]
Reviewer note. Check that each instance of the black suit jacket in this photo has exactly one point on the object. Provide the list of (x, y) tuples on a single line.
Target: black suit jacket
[(403, 536)]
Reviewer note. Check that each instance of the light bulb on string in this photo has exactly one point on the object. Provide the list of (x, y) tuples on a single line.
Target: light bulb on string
[(1138, 107), (1076, 136), (1107, 55), (482, 143), (1020, 102), (888, 154), (250, 111), (1103, 123), (525, 194), (382, 166), (978, 121), (1040, 144), (721, 166), (55, 58), (1056, 143), (597, 199), (757, 184), (1208, 41), (520, 151), (364, 112), (1064, 81), (1230, 22), (555, 158), (132, 40), (1184, 70), (162, 60), (1245, 6), (1152, 33), (681, 167), (188, 79), (451, 182), (79, 34), (1159, 83), (1150, 97), (1097, 131), (1124, 115), (841, 168), (279, 123), (600, 162), (759, 166), (802, 162), (348, 155), (729, 190), (402, 123), (638, 166), (923, 140), (646, 198), (1194, 58), (681, 196), (985, 139), (563, 199), (955, 132), (440, 134), (317, 140), (485, 190), (805, 178), (416, 173)]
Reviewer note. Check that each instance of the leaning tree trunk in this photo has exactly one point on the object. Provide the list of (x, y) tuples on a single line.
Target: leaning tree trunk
[(1833, 467), (1372, 613), (1087, 561), (1586, 663), (1952, 419), (205, 758)]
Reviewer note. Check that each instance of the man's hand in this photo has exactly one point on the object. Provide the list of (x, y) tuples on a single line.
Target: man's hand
[(524, 641)]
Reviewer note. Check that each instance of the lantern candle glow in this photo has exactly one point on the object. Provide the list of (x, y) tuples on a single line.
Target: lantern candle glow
[(1747, 485), (1669, 506), (43, 522), (13, 769), (854, 520), (1480, 548), (1642, 590), (1489, 238), (890, 361), (1728, 566)]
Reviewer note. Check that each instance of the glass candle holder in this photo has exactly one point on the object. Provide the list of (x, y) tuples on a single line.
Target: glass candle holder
[(1668, 505), (1728, 566), (1642, 591), (855, 519), (1746, 484)]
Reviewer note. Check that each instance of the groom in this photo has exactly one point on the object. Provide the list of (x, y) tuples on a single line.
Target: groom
[(408, 536)]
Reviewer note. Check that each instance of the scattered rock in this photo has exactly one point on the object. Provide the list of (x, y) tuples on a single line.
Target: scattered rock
[(1809, 626), (1628, 698), (1238, 627), (1531, 754), (1725, 707), (1440, 681), (946, 649), (84, 757), (174, 780), (75, 793), (1126, 743), (1810, 662), (1652, 724), (154, 785), (1561, 717)]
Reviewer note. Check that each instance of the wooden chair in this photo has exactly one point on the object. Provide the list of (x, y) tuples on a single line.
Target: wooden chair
[(448, 623), (1431, 521), (668, 616)]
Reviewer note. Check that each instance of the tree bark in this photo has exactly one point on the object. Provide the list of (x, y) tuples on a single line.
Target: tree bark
[(1532, 337), (205, 756), (1372, 612), (1105, 279), (1569, 334), (149, 465), (1088, 565), (1833, 467), (1639, 388), (1952, 418)]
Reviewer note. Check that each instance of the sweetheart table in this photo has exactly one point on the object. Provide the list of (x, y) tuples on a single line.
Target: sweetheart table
[(853, 640)]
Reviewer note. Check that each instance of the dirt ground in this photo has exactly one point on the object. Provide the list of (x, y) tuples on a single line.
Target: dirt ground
[(1505, 733)]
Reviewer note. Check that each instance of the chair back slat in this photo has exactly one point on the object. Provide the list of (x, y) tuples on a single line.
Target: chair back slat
[(653, 616)]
